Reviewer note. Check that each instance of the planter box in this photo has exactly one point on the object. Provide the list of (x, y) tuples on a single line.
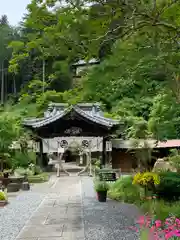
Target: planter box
[(5, 181), (13, 187), (3, 203)]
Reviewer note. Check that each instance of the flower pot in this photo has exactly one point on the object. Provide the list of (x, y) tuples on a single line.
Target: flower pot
[(3, 203), (102, 196)]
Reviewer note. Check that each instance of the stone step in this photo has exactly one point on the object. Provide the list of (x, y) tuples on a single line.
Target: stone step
[(73, 169)]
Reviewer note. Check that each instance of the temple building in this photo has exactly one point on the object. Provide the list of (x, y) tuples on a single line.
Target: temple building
[(83, 125)]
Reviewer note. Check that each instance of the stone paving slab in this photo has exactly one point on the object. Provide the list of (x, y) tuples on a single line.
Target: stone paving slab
[(37, 231), (60, 216), (28, 239)]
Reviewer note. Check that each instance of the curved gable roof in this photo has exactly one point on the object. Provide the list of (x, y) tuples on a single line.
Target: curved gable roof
[(56, 111)]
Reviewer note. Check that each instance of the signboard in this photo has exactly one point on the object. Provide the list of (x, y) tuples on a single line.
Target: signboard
[(73, 131), (108, 146)]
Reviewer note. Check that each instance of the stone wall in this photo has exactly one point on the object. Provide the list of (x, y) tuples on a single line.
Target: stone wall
[(161, 164)]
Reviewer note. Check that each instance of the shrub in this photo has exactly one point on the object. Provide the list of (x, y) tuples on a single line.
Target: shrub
[(21, 171), (169, 187), (101, 186), (35, 169), (163, 209), (43, 177), (124, 190), (146, 179), (2, 196), (21, 159)]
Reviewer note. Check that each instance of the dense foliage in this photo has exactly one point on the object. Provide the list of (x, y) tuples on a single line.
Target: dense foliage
[(169, 186), (138, 79)]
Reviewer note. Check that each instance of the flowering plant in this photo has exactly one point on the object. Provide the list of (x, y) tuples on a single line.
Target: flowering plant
[(158, 230), (146, 178)]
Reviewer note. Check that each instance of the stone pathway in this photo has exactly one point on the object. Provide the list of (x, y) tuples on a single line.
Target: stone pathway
[(60, 215), (70, 211), (106, 221)]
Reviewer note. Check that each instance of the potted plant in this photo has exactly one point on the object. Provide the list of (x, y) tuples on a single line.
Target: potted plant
[(101, 188), (3, 199)]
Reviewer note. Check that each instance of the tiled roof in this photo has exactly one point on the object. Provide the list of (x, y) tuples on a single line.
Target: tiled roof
[(130, 144), (90, 111), (83, 62)]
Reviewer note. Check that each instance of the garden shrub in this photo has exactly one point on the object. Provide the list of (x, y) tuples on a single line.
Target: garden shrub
[(23, 159), (35, 169), (21, 171), (3, 196), (169, 187), (146, 178), (163, 209), (124, 190), (40, 178), (160, 209)]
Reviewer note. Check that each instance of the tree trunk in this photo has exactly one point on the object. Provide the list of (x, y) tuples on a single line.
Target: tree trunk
[(2, 83), (2, 164), (14, 85)]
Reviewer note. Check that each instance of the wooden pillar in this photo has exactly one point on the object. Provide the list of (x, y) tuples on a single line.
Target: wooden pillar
[(103, 162), (39, 157)]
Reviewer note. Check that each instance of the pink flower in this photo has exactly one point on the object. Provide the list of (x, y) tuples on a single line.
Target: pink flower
[(168, 235), (158, 223), (172, 234), (177, 233), (177, 221), (141, 221), (152, 229)]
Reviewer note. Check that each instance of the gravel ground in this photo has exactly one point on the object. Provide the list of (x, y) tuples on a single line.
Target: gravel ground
[(14, 216), (106, 221)]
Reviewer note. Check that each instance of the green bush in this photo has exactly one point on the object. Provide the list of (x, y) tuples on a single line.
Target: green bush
[(21, 171), (21, 159), (35, 169), (169, 187), (2, 196), (101, 186), (40, 178), (124, 190), (162, 209)]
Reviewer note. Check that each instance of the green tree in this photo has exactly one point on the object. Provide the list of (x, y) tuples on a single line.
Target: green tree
[(10, 130), (165, 116)]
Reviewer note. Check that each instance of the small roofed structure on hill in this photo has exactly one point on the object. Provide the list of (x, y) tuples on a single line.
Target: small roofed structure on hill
[(82, 67), (62, 126)]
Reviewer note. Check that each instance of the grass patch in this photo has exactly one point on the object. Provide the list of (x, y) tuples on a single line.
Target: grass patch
[(40, 178), (161, 209)]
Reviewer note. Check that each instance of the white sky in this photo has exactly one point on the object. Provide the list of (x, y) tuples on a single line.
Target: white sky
[(14, 9)]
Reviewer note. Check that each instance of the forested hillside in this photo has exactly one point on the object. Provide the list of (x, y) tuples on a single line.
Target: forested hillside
[(137, 81)]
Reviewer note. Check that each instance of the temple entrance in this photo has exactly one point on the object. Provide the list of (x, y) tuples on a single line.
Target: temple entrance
[(69, 156), (74, 133)]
